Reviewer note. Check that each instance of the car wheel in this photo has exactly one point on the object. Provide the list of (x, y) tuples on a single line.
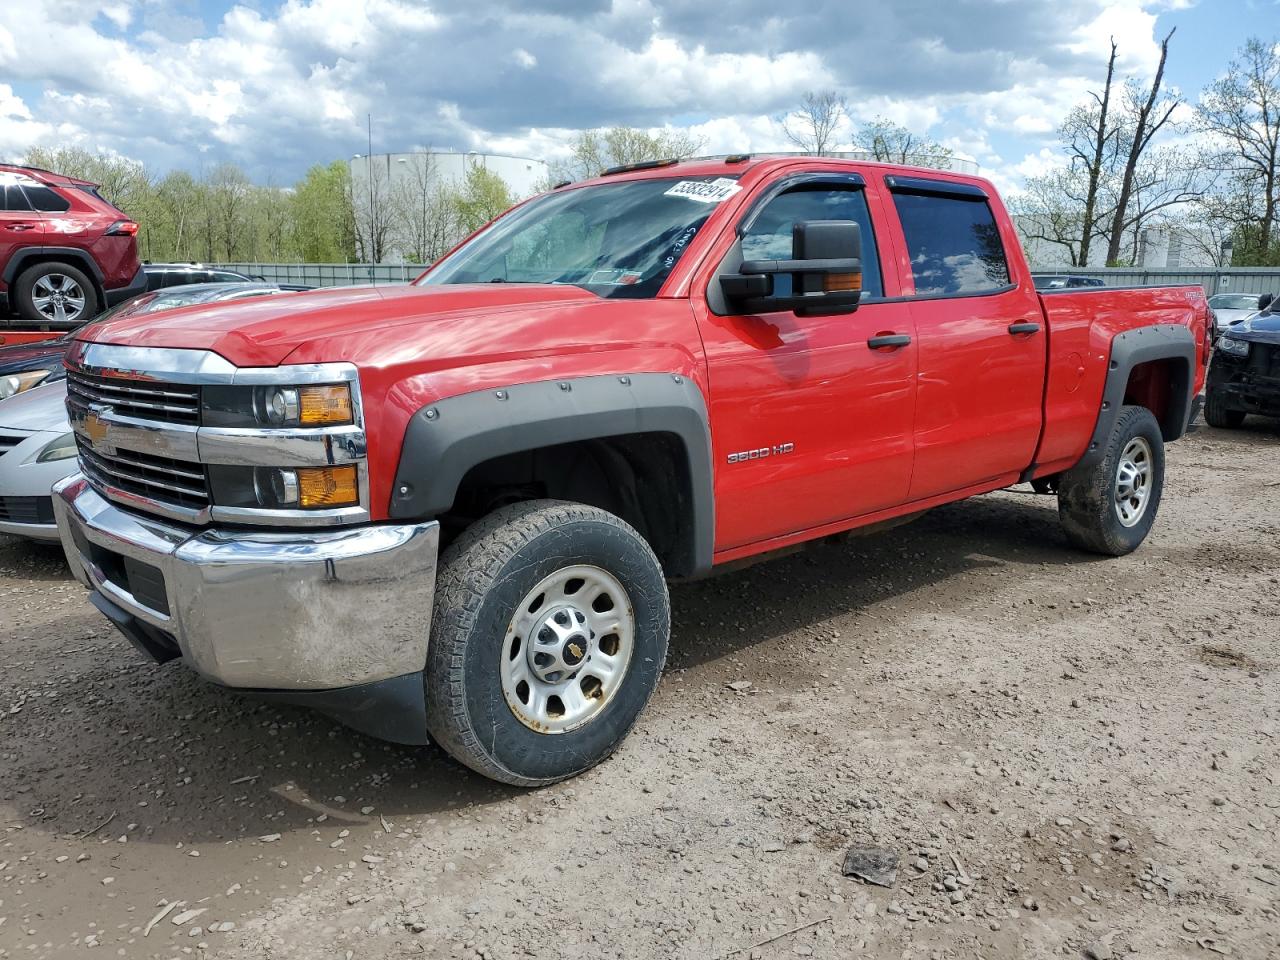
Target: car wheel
[(55, 293), (1109, 507), (549, 636), (1217, 414)]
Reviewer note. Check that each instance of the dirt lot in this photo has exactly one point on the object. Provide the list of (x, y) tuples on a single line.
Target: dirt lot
[(1072, 757)]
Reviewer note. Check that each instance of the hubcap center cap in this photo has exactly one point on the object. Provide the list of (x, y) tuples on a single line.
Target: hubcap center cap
[(560, 642)]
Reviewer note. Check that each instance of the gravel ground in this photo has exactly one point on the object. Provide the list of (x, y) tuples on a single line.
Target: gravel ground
[(1071, 757)]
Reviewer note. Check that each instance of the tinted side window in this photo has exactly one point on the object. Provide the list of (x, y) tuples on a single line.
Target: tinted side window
[(954, 244), (155, 279), (44, 198), (770, 235), (13, 198)]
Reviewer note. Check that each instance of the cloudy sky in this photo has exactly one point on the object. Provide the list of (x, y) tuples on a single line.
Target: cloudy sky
[(276, 86)]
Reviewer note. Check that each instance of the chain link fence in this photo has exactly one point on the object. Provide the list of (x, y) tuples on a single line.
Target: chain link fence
[(329, 274)]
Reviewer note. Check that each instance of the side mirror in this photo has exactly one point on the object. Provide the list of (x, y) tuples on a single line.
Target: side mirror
[(825, 272)]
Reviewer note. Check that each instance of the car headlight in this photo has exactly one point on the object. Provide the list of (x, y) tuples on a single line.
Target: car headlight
[(17, 382), (314, 405), (59, 448), (1232, 347)]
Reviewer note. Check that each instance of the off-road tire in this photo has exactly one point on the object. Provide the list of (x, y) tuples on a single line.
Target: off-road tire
[(23, 296), (483, 575), (1216, 413), (1087, 495)]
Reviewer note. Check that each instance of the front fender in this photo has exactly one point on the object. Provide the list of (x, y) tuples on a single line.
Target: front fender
[(445, 439)]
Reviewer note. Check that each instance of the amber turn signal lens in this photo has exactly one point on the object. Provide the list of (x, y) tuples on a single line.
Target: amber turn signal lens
[(324, 406), (837, 282), (328, 486)]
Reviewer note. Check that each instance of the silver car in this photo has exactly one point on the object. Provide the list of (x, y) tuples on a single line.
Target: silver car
[(1230, 307), (37, 450)]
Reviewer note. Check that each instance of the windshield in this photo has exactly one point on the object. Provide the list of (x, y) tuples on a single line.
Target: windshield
[(615, 239), (1234, 301)]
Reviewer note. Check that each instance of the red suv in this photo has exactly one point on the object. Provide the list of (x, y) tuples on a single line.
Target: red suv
[(65, 253)]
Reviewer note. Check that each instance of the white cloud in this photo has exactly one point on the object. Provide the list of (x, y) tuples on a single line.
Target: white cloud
[(277, 85)]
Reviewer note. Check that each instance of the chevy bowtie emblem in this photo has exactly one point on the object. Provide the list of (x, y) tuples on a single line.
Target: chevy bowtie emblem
[(95, 428)]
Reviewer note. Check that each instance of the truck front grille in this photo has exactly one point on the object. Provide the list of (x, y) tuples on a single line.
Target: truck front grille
[(143, 399), (162, 479)]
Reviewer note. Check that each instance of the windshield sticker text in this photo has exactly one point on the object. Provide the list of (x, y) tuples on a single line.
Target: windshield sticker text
[(705, 191)]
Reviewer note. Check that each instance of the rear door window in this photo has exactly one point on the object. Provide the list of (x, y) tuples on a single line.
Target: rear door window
[(12, 198), (954, 244)]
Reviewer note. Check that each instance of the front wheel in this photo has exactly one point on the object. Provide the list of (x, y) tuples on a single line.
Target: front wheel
[(1217, 414), (550, 632), (1109, 507)]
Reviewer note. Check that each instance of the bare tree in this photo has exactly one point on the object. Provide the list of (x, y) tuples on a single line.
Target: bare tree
[(889, 142), (595, 151), (1049, 212), (428, 217), (814, 125), (1242, 111), (1148, 117), (1164, 179), (375, 209), (1087, 134)]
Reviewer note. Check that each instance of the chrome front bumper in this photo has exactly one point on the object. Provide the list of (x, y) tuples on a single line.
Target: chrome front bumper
[(305, 610)]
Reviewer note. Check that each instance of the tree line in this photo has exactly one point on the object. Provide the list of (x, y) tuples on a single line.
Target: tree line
[(1140, 156)]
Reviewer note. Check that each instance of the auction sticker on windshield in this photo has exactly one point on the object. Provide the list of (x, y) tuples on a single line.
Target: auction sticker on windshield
[(704, 191)]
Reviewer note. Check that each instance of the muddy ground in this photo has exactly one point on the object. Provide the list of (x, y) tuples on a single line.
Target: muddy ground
[(1071, 756)]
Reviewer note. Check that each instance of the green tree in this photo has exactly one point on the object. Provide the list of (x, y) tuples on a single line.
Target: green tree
[(480, 197), (890, 142), (323, 220)]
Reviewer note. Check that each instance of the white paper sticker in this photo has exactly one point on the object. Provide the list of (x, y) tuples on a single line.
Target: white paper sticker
[(705, 191)]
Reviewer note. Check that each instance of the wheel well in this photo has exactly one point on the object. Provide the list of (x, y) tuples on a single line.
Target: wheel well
[(81, 262), (1160, 385), (643, 478)]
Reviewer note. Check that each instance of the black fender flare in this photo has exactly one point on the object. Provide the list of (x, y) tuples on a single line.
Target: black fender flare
[(447, 438), (1161, 341), (79, 258)]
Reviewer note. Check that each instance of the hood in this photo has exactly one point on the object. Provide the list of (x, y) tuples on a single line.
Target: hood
[(40, 409), (1260, 328), (26, 356), (263, 331)]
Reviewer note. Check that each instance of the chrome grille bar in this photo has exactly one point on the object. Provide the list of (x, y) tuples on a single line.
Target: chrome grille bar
[(129, 474), (161, 401)]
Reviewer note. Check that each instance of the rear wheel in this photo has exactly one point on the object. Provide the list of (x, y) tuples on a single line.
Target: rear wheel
[(55, 293), (1217, 414), (549, 637), (1109, 507)]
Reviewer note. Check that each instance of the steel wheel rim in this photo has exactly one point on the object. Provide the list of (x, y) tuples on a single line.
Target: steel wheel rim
[(567, 649), (58, 297), (1133, 481)]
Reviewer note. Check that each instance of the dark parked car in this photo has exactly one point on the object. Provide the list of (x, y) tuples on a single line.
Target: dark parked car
[(65, 252), (1244, 377), (1063, 281), (161, 276), (29, 364)]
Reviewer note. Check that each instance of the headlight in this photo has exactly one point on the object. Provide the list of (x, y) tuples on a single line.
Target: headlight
[(59, 448), (320, 405), (1232, 347), (285, 488), (17, 382)]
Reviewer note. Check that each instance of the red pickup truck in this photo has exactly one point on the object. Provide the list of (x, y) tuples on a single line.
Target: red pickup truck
[(450, 510)]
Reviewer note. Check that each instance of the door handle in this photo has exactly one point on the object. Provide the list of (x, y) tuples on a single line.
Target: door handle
[(22, 226), (889, 340), (1029, 326)]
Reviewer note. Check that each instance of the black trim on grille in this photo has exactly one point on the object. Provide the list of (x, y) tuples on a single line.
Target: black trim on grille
[(26, 510), (144, 399)]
